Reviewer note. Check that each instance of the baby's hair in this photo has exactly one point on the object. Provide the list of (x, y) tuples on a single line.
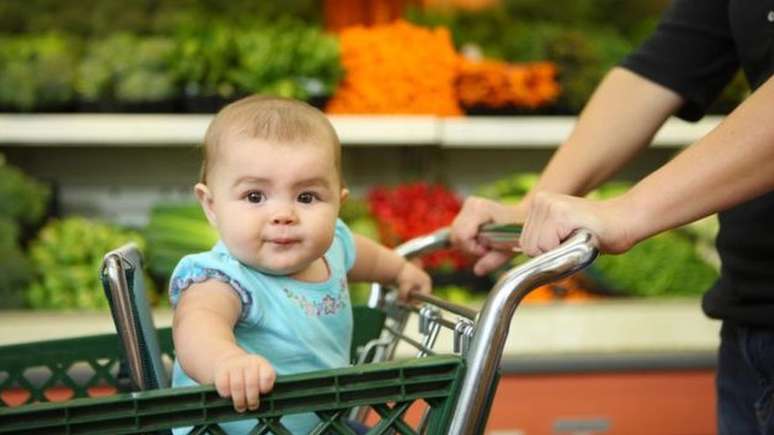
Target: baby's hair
[(275, 119)]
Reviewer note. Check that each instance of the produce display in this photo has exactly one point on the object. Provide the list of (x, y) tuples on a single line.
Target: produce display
[(509, 57), (66, 256), (36, 71), (397, 68), (196, 56), (23, 202), (415, 209), (495, 85), (173, 231), (128, 69), (58, 268)]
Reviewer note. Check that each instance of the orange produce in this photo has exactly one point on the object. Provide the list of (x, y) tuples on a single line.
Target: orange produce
[(397, 68), (573, 288), (496, 84)]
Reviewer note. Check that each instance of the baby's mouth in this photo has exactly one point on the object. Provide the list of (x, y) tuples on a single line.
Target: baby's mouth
[(283, 241)]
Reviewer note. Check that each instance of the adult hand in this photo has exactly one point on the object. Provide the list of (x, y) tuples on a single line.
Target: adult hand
[(552, 218), (475, 212)]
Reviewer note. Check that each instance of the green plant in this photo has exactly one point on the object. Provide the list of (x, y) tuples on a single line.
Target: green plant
[(509, 189), (289, 59), (127, 68), (355, 213), (23, 199), (204, 55), (664, 265), (15, 275), (37, 71), (66, 258), (15, 270), (22, 205), (91, 18)]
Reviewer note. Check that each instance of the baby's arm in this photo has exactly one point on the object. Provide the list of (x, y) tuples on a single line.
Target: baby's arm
[(203, 331), (377, 263)]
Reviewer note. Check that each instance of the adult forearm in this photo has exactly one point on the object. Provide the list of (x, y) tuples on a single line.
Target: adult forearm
[(732, 164), (620, 119)]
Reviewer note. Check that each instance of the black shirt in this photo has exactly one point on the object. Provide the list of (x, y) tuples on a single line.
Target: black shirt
[(696, 50)]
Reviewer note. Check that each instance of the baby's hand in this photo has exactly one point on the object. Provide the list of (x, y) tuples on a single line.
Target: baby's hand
[(243, 377), (412, 278)]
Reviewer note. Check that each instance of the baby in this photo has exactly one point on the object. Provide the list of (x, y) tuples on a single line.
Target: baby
[(271, 296)]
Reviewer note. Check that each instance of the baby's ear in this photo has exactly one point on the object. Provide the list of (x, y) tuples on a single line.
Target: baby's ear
[(343, 195), (204, 196)]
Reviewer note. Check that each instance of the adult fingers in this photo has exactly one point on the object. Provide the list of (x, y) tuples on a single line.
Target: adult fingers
[(464, 228), (535, 238), (491, 261)]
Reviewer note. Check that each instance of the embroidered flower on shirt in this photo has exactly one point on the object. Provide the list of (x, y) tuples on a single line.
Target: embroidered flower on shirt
[(328, 305)]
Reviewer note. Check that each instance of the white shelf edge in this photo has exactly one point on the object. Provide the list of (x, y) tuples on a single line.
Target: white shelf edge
[(550, 131), (353, 130)]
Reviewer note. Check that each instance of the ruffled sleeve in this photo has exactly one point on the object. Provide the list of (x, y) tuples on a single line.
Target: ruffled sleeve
[(198, 268)]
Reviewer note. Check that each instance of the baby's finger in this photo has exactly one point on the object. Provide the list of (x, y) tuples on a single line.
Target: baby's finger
[(252, 392), (223, 384), (267, 376), (426, 287), (238, 389), (404, 291)]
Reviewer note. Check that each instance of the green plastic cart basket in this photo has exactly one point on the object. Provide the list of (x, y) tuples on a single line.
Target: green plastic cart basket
[(118, 383)]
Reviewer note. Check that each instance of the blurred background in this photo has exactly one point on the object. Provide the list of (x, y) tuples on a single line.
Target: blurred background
[(103, 105)]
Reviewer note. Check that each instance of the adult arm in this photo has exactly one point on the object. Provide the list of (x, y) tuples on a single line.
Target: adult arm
[(731, 164), (620, 119)]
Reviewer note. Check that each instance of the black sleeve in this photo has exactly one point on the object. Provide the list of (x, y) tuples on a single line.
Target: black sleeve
[(691, 52)]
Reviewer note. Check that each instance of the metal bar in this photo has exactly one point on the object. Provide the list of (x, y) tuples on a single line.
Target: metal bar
[(446, 323), (410, 340), (123, 316), (494, 321), (446, 305)]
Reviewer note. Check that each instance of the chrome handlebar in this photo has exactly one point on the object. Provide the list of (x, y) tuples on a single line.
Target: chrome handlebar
[(492, 323)]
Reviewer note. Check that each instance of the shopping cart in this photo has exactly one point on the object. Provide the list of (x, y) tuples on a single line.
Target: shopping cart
[(456, 388)]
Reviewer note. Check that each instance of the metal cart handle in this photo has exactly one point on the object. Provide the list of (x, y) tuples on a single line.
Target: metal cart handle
[(493, 322)]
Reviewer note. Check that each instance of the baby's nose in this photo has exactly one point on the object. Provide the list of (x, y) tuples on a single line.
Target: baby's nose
[(284, 217)]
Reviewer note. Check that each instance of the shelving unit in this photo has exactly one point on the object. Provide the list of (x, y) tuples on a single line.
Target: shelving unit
[(117, 166), (185, 130)]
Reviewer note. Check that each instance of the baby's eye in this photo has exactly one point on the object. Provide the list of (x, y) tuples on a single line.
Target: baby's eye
[(307, 197), (255, 197)]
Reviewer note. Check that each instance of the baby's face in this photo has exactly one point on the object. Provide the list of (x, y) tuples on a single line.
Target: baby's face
[(274, 205)]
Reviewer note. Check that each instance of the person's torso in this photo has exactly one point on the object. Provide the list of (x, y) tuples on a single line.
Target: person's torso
[(745, 242), (752, 28)]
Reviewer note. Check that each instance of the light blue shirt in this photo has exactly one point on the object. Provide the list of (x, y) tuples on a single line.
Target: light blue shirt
[(297, 326)]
